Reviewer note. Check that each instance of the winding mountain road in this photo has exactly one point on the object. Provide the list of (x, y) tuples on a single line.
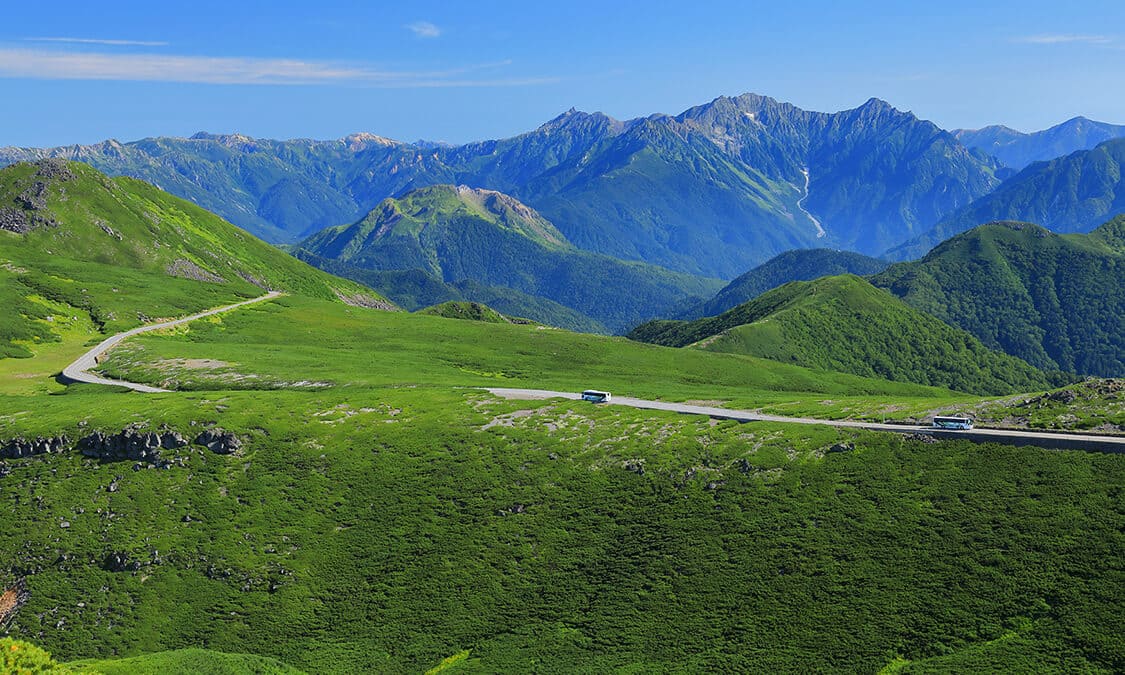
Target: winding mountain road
[(78, 370), (1043, 439)]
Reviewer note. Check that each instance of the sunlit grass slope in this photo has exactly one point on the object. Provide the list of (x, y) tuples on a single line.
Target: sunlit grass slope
[(77, 247), (320, 344), (845, 324)]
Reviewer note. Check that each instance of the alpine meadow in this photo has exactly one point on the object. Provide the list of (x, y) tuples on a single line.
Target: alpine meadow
[(708, 382)]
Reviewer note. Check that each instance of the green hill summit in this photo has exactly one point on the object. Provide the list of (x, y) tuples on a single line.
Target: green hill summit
[(845, 324), (1054, 300)]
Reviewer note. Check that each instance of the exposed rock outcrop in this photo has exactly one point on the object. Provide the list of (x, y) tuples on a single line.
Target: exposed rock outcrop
[(131, 444), (11, 600), (22, 447), (54, 168), (219, 441), (186, 269), (120, 562), (363, 300), (30, 203)]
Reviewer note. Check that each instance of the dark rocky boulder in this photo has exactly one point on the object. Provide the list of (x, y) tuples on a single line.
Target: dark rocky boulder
[(120, 562), (23, 447), (128, 444), (219, 441)]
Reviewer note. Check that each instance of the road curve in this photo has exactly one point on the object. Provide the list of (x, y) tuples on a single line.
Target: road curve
[(1043, 439), (77, 371)]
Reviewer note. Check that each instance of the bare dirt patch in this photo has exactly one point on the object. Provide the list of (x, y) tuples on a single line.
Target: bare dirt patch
[(192, 364), (508, 419)]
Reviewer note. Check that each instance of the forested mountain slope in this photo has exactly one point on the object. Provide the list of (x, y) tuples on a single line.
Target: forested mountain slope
[(1075, 193), (1056, 301), (795, 265), (458, 234), (845, 324)]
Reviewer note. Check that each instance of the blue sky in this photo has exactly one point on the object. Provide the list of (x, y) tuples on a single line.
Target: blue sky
[(80, 72)]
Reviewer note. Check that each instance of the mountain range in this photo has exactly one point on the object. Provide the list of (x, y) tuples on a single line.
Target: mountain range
[(713, 191), (1075, 193), (1017, 149)]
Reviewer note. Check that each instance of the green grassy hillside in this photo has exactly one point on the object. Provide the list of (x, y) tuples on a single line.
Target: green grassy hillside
[(458, 234), (387, 520), (845, 324), (371, 509), (795, 265), (1056, 301), (80, 251)]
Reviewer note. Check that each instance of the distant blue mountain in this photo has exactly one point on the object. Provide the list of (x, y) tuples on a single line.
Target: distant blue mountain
[(1016, 149), (715, 190)]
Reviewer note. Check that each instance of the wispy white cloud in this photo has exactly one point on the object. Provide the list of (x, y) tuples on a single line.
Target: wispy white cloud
[(99, 41), (66, 65), (1064, 38), (424, 29)]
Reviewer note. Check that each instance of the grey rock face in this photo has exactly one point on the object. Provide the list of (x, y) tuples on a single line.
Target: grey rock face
[(128, 444), (219, 441), (22, 447)]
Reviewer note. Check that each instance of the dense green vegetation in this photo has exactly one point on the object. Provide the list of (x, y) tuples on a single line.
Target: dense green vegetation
[(1075, 193), (1017, 149), (712, 191), (847, 325), (384, 530), (1056, 301), (459, 234), (18, 656), (80, 247), (189, 661), (1093, 404), (795, 265), (468, 311)]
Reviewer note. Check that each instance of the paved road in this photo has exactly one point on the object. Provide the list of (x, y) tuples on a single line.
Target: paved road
[(1058, 441), (77, 371)]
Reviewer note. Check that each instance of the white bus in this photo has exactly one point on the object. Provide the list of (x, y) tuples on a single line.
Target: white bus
[(595, 396), (963, 423)]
